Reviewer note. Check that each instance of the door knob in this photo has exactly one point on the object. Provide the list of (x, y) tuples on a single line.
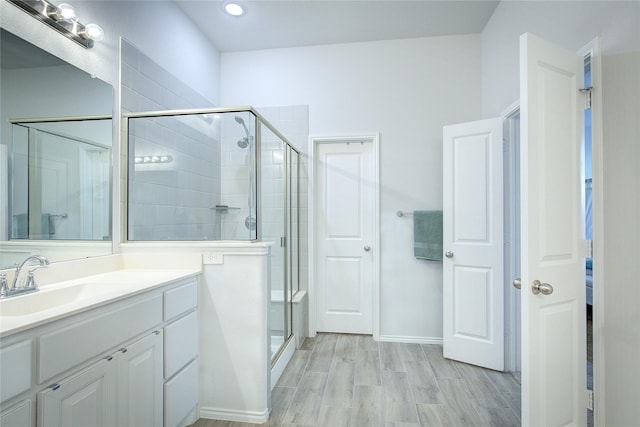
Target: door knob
[(448, 254), (517, 283), (541, 288), (367, 248)]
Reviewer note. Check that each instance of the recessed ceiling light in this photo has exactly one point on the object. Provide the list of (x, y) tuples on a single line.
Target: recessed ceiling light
[(234, 9)]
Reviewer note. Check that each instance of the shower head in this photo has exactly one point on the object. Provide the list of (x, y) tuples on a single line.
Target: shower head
[(240, 121), (243, 143)]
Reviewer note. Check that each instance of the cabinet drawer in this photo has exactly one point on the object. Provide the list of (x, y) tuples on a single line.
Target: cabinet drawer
[(181, 299), (67, 347), (180, 343), (181, 395), (15, 366)]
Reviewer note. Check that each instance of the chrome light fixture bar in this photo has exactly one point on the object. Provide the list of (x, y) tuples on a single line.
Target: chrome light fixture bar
[(62, 18)]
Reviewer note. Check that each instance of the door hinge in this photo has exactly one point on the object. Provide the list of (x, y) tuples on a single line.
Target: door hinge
[(590, 402), (588, 248), (587, 91)]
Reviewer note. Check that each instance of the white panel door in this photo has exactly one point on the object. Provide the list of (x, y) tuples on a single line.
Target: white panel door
[(552, 236), (344, 220), (473, 290)]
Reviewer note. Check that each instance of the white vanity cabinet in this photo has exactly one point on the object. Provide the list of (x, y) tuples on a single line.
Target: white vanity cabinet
[(127, 384), (131, 362)]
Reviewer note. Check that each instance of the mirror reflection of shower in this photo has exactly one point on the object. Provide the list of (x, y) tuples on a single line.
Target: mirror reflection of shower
[(247, 142)]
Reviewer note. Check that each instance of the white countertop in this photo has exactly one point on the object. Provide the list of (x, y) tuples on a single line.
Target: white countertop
[(62, 299)]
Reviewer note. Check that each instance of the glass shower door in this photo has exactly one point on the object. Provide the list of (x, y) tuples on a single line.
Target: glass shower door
[(272, 221)]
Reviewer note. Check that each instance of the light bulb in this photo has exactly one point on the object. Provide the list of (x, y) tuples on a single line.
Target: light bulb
[(233, 9), (64, 12), (93, 32), (67, 12)]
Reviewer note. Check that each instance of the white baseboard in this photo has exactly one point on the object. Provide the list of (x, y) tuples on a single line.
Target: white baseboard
[(228, 415), (411, 340)]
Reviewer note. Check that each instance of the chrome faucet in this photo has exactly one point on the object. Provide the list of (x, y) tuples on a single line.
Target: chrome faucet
[(19, 284)]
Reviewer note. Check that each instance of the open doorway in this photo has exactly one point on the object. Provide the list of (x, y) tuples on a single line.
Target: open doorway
[(588, 223)]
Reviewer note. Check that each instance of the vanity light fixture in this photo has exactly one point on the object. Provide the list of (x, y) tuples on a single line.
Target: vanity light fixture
[(233, 8), (63, 19), (152, 159)]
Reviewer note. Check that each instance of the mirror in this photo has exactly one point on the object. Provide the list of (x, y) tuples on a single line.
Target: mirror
[(55, 157)]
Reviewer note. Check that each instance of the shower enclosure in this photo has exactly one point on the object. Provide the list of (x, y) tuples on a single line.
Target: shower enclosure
[(213, 175)]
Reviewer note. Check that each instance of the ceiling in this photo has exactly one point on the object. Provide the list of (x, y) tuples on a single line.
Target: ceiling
[(270, 24)]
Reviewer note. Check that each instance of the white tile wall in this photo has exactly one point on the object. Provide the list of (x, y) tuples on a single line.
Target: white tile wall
[(235, 176), (170, 201), (293, 123)]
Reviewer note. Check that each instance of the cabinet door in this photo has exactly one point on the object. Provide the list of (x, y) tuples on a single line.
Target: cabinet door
[(87, 398), (15, 366), (19, 415), (140, 383)]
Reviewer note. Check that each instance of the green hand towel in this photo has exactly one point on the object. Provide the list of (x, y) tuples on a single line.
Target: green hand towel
[(427, 235)]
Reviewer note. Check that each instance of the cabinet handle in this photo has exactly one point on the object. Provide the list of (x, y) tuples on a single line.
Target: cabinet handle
[(123, 349), (54, 386), (156, 332), (109, 358)]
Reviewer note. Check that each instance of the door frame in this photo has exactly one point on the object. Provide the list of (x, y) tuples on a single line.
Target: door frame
[(512, 252), (314, 142), (594, 47)]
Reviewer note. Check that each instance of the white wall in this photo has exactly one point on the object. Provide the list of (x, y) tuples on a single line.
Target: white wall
[(621, 136), (404, 89), (573, 25), (158, 28)]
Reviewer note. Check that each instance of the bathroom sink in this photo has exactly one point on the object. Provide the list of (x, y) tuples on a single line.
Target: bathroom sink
[(58, 300), (22, 305), (35, 302)]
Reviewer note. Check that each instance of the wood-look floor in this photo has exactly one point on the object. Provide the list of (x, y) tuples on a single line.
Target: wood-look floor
[(350, 380)]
